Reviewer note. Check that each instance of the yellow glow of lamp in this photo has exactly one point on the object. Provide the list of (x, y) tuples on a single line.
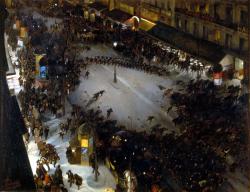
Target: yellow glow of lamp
[(109, 190), (217, 35), (18, 24), (85, 143), (37, 64), (207, 8), (23, 32), (197, 8)]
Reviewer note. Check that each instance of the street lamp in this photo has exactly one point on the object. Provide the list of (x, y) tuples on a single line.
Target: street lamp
[(115, 78), (115, 44)]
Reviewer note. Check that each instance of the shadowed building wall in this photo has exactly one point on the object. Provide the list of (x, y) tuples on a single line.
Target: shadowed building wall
[(15, 170)]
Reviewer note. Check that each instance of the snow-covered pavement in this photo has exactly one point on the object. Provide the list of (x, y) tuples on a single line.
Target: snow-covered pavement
[(105, 180), (134, 97)]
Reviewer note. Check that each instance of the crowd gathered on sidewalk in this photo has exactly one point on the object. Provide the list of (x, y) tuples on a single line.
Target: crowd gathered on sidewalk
[(212, 139)]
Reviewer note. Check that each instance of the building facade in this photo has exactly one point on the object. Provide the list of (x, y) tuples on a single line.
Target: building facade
[(223, 23), (15, 170)]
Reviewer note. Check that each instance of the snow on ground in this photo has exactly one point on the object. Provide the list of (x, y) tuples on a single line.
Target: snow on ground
[(105, 180), (134, 97), (36, 15), (49, 20)]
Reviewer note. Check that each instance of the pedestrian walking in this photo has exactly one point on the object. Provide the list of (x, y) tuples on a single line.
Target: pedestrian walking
[(109, 111), (71, 178), (78, 180), (93, 164), (46, 132), (58, 176), (86, 75)]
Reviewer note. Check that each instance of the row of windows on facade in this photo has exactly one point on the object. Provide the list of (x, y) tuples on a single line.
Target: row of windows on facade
[(216, 35), (215, 11)]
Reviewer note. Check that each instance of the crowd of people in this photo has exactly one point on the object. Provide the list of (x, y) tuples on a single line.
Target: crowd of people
[(212, 137), (140, 50), (203, 152), (200, 110), (49, 182)]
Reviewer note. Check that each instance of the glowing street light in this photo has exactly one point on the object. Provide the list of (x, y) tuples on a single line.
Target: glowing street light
[(115, 44)]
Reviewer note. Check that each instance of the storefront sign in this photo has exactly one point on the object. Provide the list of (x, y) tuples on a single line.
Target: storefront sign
[(43, 72), (84, 143)]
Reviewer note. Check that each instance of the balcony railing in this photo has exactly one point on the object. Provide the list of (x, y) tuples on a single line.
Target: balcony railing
[(150, 7), (242, 28), (208, 17)]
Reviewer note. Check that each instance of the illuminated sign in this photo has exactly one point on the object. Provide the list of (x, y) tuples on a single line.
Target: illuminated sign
[(84, 143), (43, 71)]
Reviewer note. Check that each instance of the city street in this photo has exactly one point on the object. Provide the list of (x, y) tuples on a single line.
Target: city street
[(105, 180), (133, 98), (99, 95)]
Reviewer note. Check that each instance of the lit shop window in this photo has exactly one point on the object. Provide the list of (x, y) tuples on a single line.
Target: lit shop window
[(217, 35), (239, 68), (206, 8), (197, 8)]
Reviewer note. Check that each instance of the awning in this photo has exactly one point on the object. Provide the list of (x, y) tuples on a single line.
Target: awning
[(227, 61), (186, 42), (146, 25), (117, 15)]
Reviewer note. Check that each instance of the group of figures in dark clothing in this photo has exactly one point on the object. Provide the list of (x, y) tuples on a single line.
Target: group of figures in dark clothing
[(211, 141), (206, 148)]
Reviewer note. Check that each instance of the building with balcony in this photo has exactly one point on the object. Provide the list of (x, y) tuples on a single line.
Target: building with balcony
[(223, 23), (15, 170), (219, 27)]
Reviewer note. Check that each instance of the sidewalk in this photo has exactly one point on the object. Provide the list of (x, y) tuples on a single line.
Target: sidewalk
[(105, 180), (11, 70)]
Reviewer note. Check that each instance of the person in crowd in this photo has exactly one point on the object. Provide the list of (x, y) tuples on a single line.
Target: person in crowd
[(58, 176), (109, 111), (71, 178), (46, 132), (78, 180)]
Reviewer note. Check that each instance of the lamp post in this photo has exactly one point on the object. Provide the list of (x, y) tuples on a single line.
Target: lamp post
[(115, 76)]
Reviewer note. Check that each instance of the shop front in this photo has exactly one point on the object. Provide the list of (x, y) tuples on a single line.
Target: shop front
[(86, 143), (146, 25), (233, 67), (151, 15), (8, 3), (127, 8), (239, 68)]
